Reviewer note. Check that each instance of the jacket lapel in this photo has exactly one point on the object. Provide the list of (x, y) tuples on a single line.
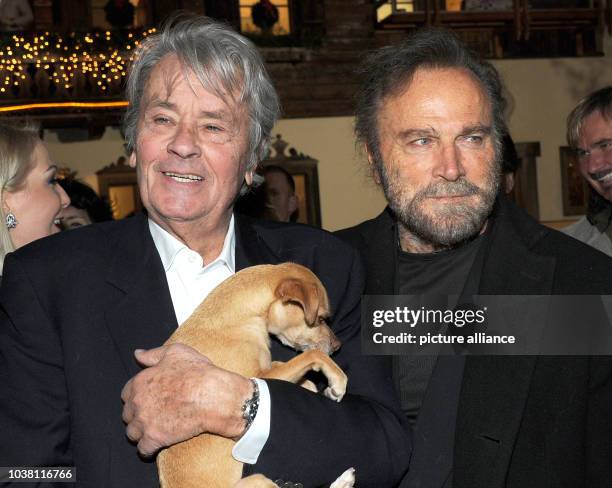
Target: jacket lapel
[(251, 249), (495, 389), (380, 256), (511, 267), (143, 315)]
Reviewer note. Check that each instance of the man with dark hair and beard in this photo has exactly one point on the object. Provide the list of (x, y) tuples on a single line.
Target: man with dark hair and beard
[(430, 118)]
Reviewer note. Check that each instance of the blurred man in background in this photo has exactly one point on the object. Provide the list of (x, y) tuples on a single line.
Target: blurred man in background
[(281, 200), (589, 133)]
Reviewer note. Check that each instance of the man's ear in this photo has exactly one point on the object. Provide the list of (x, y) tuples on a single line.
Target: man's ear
[(372, 164), (303, 294), (293, 203), (132, 159), (248, 177)]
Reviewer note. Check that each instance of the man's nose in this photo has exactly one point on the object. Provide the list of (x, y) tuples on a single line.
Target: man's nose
[(185, 142), (449, 164)]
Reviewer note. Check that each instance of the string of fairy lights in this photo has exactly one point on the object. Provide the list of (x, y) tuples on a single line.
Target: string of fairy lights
[(100, 57)]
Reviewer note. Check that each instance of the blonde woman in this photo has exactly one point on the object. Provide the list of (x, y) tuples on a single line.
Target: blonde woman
[(31, 199)]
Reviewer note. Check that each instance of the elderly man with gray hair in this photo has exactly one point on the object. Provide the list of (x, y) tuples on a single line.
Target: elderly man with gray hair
[(82, 315)]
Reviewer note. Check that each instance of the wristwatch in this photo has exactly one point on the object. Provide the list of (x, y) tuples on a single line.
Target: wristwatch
[(250, 406)]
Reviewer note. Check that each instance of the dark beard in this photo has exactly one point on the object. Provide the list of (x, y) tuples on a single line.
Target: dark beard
[(452, 224)]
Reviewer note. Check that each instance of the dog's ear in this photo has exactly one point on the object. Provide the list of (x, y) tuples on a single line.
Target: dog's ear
[(305, 295)]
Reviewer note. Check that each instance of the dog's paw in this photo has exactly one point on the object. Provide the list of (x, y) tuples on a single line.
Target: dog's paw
[(346, 480), (337, 386), (334, 393), (309, 385)]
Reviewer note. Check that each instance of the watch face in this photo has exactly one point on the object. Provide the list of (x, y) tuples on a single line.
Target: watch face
[(249, 409)]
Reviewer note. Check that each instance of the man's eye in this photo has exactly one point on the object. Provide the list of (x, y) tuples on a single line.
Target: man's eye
[(161, 120), (581, 153), (474, 139), (605, 145), (213, 128), (421, 141)]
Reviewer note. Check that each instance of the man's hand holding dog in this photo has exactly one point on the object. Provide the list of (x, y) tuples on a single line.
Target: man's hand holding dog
[(179, 395)]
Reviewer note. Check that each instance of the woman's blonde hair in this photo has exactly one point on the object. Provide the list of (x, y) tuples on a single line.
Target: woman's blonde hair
[(17, 143)]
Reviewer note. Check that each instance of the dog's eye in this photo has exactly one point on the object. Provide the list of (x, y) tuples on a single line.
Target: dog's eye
[(322, 320)]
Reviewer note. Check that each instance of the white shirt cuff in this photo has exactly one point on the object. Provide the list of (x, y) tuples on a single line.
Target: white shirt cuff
[(250, 445)]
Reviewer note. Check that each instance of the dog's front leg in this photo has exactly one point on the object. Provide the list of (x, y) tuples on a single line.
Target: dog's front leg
[(312, 360), (304, 383)]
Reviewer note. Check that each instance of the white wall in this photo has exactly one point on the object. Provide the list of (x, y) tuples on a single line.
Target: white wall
[(348, 195)]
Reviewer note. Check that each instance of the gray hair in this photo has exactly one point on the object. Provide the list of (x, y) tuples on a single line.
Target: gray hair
[(17, 144), (388, 70), (598, 101), (224, 61)]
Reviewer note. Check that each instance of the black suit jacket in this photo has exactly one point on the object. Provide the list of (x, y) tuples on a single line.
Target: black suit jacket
[(74, 307), (520, 421)]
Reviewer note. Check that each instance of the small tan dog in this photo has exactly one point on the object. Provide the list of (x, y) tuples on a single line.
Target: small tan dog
[(286, 300)]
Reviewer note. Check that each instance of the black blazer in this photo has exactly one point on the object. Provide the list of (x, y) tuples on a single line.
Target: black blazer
[(521, 421), (74, 307)]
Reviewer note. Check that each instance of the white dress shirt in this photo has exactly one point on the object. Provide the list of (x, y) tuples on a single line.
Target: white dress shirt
[(190, 282)]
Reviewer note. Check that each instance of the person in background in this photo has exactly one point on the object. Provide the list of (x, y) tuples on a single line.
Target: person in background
[(86, 206), (274, 200), (264, 14), (589, 133), (119, 13), (281, 200), (32, 201)]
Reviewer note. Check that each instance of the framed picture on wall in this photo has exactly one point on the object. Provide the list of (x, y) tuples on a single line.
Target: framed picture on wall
[(574, 188), (117, 183)]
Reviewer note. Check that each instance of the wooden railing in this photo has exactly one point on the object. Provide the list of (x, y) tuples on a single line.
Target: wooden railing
[(518, 22)]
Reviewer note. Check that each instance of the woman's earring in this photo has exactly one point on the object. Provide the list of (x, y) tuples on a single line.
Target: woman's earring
[(11, 220)]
